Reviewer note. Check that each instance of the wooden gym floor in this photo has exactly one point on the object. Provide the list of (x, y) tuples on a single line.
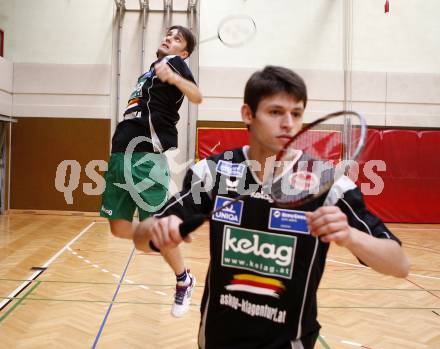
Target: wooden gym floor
[(93, 290)]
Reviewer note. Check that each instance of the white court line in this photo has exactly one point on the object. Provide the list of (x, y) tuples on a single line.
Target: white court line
[(20, 288), (363, 266), (45, 265), (128, 281), (352, 343)]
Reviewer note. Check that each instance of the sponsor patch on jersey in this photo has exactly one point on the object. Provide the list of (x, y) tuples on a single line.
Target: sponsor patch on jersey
[(230, 169), (262, 196), (137, 93), (231, 185), (288, 220), (231, 213), (258, 251), (257, 285), (253, 309)]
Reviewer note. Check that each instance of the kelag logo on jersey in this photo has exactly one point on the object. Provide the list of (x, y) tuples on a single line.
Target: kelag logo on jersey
[(288, 220), (258, 251), (231, 213), (230, 169)]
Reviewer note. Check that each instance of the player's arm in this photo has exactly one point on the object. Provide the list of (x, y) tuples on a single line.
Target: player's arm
[(190, 89), (386, 256), (163, 232), (163, 228)]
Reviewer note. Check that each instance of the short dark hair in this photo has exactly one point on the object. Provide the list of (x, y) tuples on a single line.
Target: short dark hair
[(272, 80), (187, 35)]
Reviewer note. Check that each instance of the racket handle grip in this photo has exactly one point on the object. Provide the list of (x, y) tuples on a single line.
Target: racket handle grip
[(191, 224), (186, 227)]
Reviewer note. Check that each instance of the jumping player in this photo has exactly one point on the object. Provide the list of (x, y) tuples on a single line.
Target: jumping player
[(148, 130)]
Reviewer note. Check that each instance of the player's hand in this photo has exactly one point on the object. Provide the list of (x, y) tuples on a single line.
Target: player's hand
[(164, 232), (165, 74), (329, 223)]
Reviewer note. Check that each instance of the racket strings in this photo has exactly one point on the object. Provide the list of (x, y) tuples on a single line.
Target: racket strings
[(324, 145), (309, 178), (236, 30)]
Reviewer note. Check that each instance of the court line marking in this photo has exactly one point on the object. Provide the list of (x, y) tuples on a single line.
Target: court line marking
[(355, 344), (364, 267), (323, 342), (37, 273), (101, 328), (19, 301), (116, 276), (106, 301), (198, 286), (351, 343), (130, 282), (198, 305), (421, 287)]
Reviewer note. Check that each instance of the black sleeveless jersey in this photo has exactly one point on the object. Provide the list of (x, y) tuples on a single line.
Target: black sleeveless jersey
[(156, 105), (265, 267)]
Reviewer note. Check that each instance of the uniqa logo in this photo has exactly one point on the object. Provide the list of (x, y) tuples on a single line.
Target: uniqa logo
[(282, 255)]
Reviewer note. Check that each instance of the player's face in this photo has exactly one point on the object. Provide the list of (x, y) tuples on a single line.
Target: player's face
[(172, 44), (277, 119)]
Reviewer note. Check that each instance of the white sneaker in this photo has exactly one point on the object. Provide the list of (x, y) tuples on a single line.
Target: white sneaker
[(182, 298)]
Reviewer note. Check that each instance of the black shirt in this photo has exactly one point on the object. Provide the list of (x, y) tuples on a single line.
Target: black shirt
[(265, 267), (156, 105)]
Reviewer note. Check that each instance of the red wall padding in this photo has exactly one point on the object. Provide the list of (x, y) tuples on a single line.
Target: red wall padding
[(399, 170), (412, 178), (217, 140)]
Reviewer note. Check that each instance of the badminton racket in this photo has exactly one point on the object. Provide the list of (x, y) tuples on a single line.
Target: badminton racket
[(308, 165), (234, 31)]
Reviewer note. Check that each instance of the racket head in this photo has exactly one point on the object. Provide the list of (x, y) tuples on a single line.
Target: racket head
[(236, 30), (316, 157)]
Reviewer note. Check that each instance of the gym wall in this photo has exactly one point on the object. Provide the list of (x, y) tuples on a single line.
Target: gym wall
[(63, 59), (59, 54)]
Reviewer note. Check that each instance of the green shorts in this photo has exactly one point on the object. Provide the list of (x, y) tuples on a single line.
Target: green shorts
[(124, 191)]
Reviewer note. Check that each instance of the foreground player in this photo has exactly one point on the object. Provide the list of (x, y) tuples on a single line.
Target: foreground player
[(261, 285), (149, 126)]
